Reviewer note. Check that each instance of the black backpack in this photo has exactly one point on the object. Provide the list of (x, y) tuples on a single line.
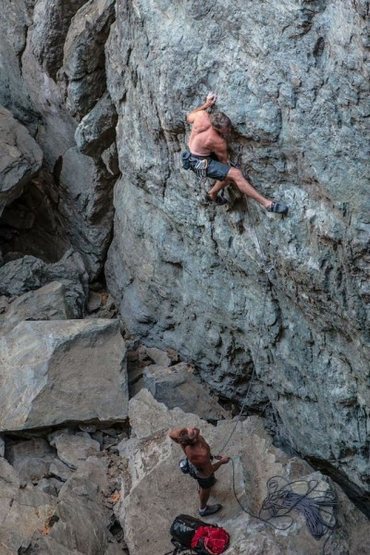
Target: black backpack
[(182, 531)]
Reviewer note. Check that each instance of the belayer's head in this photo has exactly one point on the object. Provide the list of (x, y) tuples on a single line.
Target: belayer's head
[(188, 436), (221, 123)]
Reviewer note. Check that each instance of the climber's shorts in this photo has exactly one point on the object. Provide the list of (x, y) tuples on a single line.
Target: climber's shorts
[(215, 169)]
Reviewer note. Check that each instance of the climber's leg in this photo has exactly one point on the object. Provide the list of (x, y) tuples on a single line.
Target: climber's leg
[(245, 187)]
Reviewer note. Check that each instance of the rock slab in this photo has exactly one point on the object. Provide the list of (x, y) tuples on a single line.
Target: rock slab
[(61, 371)]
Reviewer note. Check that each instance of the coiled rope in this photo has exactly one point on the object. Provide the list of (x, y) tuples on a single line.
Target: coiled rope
[(317, 506)]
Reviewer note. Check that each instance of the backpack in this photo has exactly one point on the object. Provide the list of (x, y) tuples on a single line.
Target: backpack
[(200, 537)]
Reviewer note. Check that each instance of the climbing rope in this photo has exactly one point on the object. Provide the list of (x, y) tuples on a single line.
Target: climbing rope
[(316, 505)]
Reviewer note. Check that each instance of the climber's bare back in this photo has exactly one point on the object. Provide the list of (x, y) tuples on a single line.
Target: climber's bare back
[(203, 138)]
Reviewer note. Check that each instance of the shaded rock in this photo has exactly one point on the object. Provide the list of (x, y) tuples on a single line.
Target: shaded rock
[(96, 131), (33, 39), (31, 459), (22, 510), (161, 358), (61, 379), (28, 273), (20, 158), (115, 549), (110, 160), (51, 20), (51, 486), (84, 58), (2, 446), (50, 302), (155, 489), (176, 386), (60, 471), (94, 302), (80, 522), (73, 448), (87, 196)]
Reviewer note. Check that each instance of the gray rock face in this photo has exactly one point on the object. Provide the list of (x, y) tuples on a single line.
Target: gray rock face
[(190, 276), (96, 131), (62, 371), (84, 57), (52, 64), (51, 24), (176, 386), (20, 158)]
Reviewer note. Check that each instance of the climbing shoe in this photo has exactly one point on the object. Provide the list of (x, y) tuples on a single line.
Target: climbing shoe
[(220, 200), (210, 510), (278, 208)]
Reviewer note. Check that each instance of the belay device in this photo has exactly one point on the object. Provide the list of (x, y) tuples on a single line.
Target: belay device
[(202, 538)]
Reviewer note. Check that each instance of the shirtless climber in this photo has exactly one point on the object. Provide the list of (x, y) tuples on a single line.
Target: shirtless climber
[(208, 153), (200, 467)]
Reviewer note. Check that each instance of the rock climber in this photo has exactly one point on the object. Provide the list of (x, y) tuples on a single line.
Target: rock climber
[(208, 155), (200, 465)]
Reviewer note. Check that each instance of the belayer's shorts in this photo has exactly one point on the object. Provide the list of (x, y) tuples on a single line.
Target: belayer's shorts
[(215, 169), (206, 483)]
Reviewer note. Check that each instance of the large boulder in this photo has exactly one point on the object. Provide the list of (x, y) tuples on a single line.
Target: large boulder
[(62, 371), (20, 158), (155, 491)]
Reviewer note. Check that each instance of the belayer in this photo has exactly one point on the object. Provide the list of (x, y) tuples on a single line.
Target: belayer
[(208, 156), (199, 464)]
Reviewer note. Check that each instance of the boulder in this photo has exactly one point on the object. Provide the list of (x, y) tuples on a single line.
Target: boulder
[(50, 302), (28, 273), (80, 522), (62, 371), (176, 386), (20, 158), (96, 131), (23, 510), (35, 461), (155, 491), (50, 519), (73, 448), (83, 64), (51, 20)]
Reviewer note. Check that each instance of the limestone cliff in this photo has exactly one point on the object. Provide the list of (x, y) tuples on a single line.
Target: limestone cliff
[(291, 77), (236, 291)]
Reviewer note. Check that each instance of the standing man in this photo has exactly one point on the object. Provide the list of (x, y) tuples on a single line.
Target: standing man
[(200, 464), (209, 154)]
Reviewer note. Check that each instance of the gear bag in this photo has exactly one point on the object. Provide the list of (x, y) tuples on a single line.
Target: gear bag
[(202, 538)]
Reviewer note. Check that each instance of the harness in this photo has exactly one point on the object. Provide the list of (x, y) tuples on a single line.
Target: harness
[(197, 165)]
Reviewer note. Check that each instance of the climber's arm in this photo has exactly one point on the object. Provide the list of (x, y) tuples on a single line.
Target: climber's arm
[(190, 118)]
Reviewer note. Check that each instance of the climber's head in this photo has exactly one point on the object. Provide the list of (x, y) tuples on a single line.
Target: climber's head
[(221, 123), (188, 436)]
